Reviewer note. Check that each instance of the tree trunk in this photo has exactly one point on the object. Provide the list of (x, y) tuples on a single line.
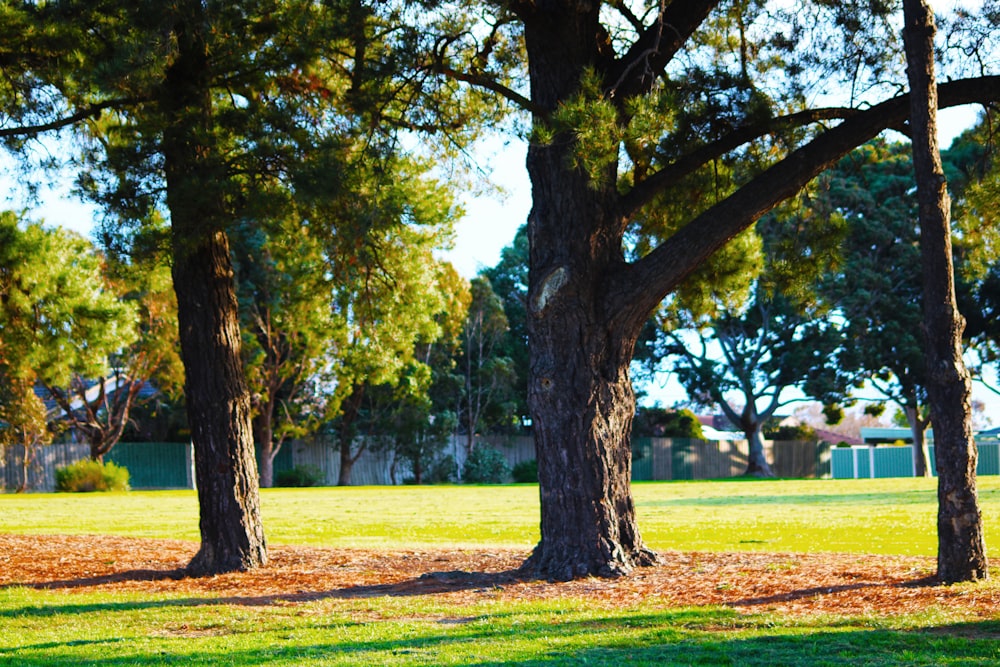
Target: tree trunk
[(961, 549), (757, 465), (346, 434), (264, 440), (218, 402), (580, 343), (918, 432)]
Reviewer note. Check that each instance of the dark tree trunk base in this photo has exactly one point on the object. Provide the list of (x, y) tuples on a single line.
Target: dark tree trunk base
[(206, 563), (568, 566)]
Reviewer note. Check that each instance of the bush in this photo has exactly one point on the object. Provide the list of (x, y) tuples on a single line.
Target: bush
[(90, 475), (299, 476), (443, 470), (485, 465), (525, 472)]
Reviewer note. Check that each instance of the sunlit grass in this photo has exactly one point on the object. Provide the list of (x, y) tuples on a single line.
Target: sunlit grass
[(46, 628), (885, 516), (61, 628)]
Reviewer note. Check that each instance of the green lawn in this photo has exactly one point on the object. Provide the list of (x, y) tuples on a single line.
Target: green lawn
[(889, 516), (866, 516)]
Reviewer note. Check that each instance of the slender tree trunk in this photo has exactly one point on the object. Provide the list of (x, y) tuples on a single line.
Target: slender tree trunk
[(961, 548), (346, 435), (218, 402), (918, 432), (264, 438)]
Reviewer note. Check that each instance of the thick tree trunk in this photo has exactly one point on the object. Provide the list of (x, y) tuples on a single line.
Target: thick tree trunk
[(218, 402), (757, 464), (961, 548), (580, 338)]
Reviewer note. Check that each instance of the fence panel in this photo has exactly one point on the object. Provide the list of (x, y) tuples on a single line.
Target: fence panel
[(155, 465)]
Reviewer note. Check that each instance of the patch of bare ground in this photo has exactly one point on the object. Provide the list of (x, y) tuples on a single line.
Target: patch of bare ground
[(747, 582)]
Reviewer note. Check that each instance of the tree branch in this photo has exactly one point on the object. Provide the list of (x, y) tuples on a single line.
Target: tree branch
[(637, 289), (637, 70), (645, 190), (89, 111)]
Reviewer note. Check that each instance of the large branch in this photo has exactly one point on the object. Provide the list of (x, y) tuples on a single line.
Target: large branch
[(646, 190), (636, 71), (89, 111), (636, 290)]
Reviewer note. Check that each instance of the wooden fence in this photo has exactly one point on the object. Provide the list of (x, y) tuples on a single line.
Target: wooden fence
[(170, 465)]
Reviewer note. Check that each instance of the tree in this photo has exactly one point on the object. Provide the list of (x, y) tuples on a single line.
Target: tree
[(487, 375), (877, 289), (288, 333), (388, 292), (509, 279), (99, 408), (674, 88), (207, 111), (60, 321), (961, 550), (769, 348)]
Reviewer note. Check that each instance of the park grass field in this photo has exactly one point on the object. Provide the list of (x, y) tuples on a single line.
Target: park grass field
[(78, 624)]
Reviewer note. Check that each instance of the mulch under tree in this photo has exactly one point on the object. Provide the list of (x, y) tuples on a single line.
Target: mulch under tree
[(748, 582)]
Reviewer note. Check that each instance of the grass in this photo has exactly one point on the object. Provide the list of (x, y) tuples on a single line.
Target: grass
[(888, 516), (864, 516), (90, 629)]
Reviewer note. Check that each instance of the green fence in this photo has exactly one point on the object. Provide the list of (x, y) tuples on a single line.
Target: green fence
[(864, 461), (155, 465)]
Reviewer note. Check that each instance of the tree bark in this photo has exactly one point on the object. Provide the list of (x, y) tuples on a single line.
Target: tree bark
[(961, 548), (218, 401), (580, 395)]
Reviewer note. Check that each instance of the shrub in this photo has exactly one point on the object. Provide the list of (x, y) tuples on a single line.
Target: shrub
[(485, 465), (304, 475), (525, 472), (90, 475), (442, 471)]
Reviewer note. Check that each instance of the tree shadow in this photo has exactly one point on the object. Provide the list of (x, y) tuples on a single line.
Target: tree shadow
[(803, 593), (430, 583)]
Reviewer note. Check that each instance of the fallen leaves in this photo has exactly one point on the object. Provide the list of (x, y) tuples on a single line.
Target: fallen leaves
[(747, 582)]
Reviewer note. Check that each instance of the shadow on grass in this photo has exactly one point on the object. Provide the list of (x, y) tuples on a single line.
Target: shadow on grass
[(670, 637), (426, 584)]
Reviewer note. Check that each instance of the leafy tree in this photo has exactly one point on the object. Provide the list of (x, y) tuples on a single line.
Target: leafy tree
[(60, 321), (288, 334), (509, 279), (488, 377), (391, 299), (101, 412), (961, 550), (208, 111), (662, 423), (632, 104), (878, 288)]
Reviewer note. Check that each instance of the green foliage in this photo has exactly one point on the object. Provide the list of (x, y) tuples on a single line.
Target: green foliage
[(90, 475), (442, 470), (485, 465), (774, 431), (663, 423), (299, 476), (525, 472)]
